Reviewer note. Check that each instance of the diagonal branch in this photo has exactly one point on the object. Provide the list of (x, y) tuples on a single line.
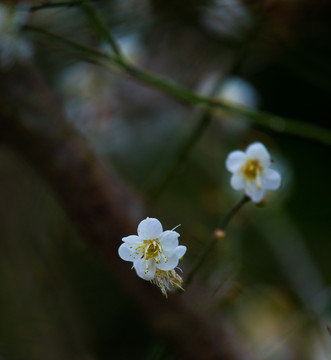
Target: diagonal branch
[(269, 122)]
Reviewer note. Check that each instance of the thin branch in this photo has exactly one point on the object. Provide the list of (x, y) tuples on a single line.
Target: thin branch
[(100, 26), (214, 238), (264, 120), (233, 211), (50, 5)]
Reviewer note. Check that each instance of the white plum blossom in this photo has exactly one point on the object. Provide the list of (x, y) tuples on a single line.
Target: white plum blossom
[(155, 254), (237, 90), (251, 171), (13, 47)]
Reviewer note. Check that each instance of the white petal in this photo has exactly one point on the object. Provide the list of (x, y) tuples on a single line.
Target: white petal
[(132, 240), (150, 228), (237, 181), (235, 160), (145, 268), (169, 240), (125, 253), (258, 151), (271, 179), (138, 270), (180, 251), (169, 264), (254, 193)]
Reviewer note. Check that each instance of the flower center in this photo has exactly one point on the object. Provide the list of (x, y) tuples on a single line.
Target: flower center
[(152, 250), (252, 170)]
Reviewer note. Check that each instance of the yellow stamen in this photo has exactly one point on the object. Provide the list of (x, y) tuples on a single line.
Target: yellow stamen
[(252, 170)]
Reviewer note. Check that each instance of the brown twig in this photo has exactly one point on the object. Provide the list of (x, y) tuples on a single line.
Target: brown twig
[(328, 328)]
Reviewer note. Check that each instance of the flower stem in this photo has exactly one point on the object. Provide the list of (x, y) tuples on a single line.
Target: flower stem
[(228, 216), (213, 239)]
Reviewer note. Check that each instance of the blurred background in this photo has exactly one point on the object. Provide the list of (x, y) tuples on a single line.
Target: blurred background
[(270, 277)]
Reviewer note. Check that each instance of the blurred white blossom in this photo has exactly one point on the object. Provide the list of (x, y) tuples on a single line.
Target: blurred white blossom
[(251, 171), (155, 254), (130, 46), (13, 47), (227, 18), (87, 90), (235, 91), (239, 91)]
